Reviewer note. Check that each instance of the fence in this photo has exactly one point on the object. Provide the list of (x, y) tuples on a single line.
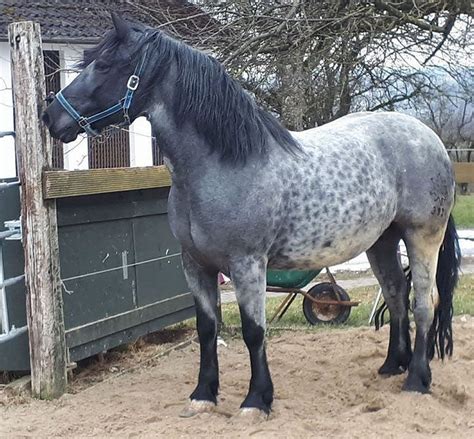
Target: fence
[(120, 266)]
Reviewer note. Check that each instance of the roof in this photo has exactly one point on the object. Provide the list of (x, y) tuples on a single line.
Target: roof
[(86, 21)]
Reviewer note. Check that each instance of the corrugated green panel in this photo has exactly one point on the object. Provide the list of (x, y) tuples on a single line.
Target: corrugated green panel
[(94, 231), (126, 336), (15, 352), (164, 278), (111, 207), (9, 203), (121, 322), (88, 248), (13, 266)]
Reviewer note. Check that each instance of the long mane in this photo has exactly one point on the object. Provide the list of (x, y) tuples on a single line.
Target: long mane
[(223, 113)]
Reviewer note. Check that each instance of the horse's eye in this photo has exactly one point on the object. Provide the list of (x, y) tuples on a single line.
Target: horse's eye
[(102, 66)]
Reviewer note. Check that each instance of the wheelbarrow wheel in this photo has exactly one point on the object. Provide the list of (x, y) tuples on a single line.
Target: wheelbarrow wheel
[(317, 313)]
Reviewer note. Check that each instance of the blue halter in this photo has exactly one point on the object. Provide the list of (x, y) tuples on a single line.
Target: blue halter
[(123, 105)]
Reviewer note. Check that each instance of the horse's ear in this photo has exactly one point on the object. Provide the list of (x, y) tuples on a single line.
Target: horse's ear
[(121, 26)]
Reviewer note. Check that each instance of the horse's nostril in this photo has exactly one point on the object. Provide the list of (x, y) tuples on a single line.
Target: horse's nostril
[(45, 118)]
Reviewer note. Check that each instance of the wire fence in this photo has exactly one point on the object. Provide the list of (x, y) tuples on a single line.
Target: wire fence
[(122, 267)]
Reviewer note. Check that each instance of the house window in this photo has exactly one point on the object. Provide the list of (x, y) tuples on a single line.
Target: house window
[(53, 84), (110, 150), (157, 154)]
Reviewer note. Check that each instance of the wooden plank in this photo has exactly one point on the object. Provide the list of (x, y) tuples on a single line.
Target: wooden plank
[(62, 184), (40, 236), (464, 172)]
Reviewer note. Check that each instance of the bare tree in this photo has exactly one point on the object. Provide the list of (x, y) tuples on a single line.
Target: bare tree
[(450, 112), (311, 62)]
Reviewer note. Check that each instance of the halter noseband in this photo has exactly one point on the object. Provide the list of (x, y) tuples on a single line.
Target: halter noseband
[(123, 105)]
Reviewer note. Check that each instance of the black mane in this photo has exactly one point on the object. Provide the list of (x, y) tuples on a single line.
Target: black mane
[(107, 45), (223, 113)]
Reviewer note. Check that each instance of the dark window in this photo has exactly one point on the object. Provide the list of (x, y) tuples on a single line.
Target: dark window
[(110, 150), (157, 155), (53, 84)]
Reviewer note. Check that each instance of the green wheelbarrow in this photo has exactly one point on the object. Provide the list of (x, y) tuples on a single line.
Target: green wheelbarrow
[(325, 302)]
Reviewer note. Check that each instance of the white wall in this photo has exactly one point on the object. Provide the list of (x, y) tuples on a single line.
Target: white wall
[(75, 153), (7, 151), (140, 143)]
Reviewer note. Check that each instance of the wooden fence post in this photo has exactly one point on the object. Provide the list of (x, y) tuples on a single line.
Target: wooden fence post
[(40, 237)]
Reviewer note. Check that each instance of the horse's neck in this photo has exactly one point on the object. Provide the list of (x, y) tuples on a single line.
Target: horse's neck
[(183, 149)]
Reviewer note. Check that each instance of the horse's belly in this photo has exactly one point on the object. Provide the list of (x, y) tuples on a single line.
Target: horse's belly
[(304, 251)]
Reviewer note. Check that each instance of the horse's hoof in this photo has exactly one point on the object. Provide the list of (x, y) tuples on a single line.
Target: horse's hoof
[(253, 414), (418, 388), (389, 370), (195, 407), (415, 384)]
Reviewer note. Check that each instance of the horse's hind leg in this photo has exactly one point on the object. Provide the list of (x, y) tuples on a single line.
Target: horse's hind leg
[(203, 285), (387, 269), (423, 248), (249, 277)]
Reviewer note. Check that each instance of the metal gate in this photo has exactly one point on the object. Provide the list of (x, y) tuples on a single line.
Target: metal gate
[(13, 330)]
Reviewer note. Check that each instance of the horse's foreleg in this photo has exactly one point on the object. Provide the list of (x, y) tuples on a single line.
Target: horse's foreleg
[(387, 269), (203, 285), (423, 255), (249, 278)]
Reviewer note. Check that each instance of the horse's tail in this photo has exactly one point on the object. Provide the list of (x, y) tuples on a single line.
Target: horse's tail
[(447, 274)]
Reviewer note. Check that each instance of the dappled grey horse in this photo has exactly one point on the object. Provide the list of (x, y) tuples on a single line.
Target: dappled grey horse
[(247, 194)]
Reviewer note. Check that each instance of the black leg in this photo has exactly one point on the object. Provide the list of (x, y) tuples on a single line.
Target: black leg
[(203, 284), (249, 277), (419, 373), (399, 355), (208, 381), (387, 269), (260, 393)]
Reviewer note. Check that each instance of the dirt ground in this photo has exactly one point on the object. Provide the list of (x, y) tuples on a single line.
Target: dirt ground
[(326, 386)]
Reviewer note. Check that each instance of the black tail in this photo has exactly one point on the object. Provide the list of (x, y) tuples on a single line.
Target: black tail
[(449, 261)]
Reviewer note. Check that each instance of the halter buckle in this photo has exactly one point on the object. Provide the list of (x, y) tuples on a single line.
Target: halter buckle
[(83, 122), (133, 82)]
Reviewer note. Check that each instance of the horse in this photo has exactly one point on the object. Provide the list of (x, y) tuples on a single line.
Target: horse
[(248, 195)]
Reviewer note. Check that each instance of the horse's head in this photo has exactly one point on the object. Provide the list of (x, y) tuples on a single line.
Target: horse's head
[(106, 91)]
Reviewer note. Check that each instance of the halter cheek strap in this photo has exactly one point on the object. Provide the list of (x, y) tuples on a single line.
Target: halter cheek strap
[(85, 122)]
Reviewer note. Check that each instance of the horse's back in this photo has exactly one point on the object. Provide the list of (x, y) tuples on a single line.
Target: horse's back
[(361, 173), (413, 158)]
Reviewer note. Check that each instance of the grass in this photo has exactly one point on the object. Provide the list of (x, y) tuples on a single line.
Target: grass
[(464, 211), (294, 318)]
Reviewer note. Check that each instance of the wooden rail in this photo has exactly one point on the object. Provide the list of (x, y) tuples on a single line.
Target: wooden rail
[(464, 172), (62, 184)]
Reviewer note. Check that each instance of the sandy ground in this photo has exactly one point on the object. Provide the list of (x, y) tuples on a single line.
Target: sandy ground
[(326, 386)]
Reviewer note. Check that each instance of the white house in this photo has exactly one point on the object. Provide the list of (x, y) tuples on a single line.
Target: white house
[(68, 27)]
